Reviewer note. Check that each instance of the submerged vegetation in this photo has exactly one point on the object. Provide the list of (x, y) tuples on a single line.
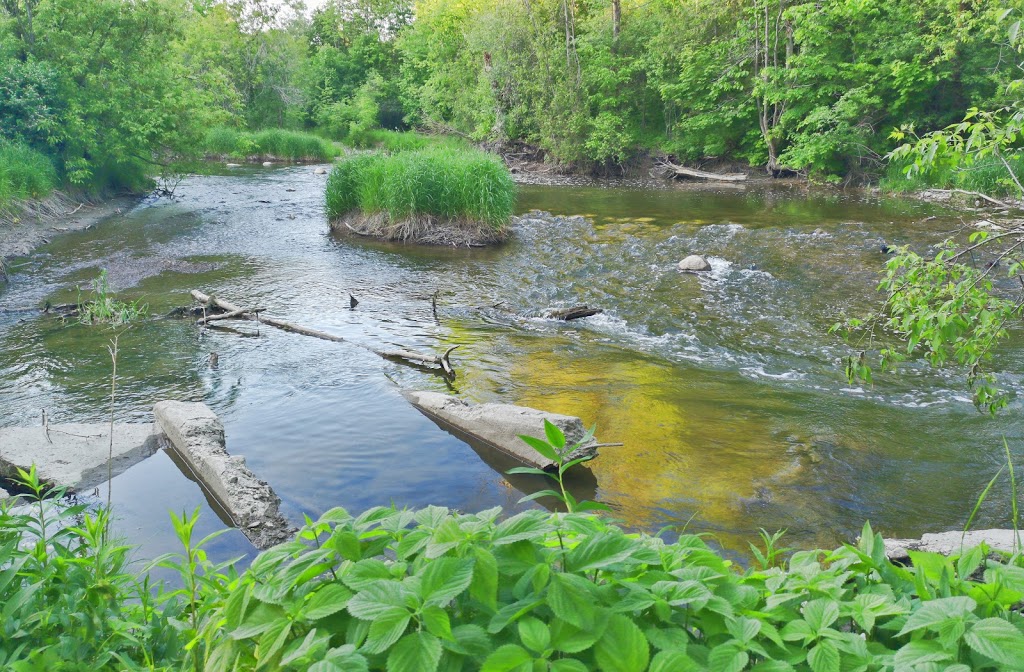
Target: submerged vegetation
[(435, 195)]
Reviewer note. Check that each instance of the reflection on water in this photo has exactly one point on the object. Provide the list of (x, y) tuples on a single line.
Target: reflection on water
[(725, 388)]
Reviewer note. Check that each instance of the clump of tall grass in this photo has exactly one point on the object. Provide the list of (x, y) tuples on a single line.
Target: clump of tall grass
[(403, 141), (986, 176), (24, 173), (274, 143), (434, 187), (102, 307)]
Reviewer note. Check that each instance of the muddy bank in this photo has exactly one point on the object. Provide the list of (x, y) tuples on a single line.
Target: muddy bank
[(35, 223), (423, 229)]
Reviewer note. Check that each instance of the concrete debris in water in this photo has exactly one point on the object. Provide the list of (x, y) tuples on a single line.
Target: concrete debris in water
[(694, 264), (948, 543), (197, 436), (75, 455), (499, 425)]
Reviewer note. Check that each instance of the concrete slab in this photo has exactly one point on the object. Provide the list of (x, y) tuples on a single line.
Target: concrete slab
[(948, 543), (197, 436), (76, 455), (499, 425)]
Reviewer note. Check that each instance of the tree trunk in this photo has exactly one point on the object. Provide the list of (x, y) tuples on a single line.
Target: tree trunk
[(616, 18)]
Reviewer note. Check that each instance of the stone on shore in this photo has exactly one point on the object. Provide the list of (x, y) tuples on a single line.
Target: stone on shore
[(75, 455), (197, 436), (694, 264), (948, 543), (499, 425), (4, 495)]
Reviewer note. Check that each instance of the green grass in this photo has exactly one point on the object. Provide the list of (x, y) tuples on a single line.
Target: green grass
[(436, 181), (270, 143), (24, 173), (403, 141), (987, 176)]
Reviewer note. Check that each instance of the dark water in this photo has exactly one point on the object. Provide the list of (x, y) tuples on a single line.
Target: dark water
[(725, 388)]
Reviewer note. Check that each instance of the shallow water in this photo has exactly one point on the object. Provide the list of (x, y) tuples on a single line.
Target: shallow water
[(725, 388)]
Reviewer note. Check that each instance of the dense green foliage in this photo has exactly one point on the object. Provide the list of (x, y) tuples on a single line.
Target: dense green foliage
[(466, 184), (429, 590), (271, 144), (114, 90), (24, 173)]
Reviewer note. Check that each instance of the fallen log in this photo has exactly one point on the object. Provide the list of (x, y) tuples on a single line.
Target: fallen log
[(682, 171), (574, 313), (255, 314)]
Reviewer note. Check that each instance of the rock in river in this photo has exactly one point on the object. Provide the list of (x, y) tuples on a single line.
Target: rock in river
[(694, 264), (320, 171)]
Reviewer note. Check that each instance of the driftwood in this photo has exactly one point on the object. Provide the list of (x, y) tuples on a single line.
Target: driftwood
[(244, 314), (976, 194), (682, 171), (574, 313)]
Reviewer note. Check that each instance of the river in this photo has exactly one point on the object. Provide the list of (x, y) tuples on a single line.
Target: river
[(725, 388)]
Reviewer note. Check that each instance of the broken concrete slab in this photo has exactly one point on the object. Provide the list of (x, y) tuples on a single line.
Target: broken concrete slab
[(197, 436), (500, 425), (75, 456), (948, 543)]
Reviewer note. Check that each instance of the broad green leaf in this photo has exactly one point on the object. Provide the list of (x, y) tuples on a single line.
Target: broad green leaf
[(416, 652), (673, 661), (598, 551), (327, 600), (824, 657), (568, 665), (530, 524), (534, 634), (437, 622), (572, 599), (997, 639), (935, 611), (568, 638), (727, 658), (484, 586), (508, 658), (386, 630), (623, 647), (920, 652), (344, 658), (272, 641), (820, 614), (445, 578), (377, 598), (259, 620), (469, 640)]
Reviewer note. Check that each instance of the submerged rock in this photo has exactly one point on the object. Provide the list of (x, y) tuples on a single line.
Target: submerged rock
[(500, 425), (267, 164), (694, 264), (233, 165)]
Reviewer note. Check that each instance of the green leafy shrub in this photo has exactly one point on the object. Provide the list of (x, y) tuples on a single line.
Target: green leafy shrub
[(434, 181), (69, 600), (24, 173)]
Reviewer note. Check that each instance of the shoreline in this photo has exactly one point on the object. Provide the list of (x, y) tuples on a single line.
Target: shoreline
[(34, 223)]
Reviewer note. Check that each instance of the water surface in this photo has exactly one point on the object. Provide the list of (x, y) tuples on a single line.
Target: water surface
[(725, 388)]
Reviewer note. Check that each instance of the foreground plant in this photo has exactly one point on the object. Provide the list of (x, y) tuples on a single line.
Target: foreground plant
[(103, 307)]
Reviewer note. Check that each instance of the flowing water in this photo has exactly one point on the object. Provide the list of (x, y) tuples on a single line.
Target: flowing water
[(725, 388)]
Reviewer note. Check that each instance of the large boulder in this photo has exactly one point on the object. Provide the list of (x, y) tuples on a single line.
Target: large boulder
[(694, 264), (500, 425)]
